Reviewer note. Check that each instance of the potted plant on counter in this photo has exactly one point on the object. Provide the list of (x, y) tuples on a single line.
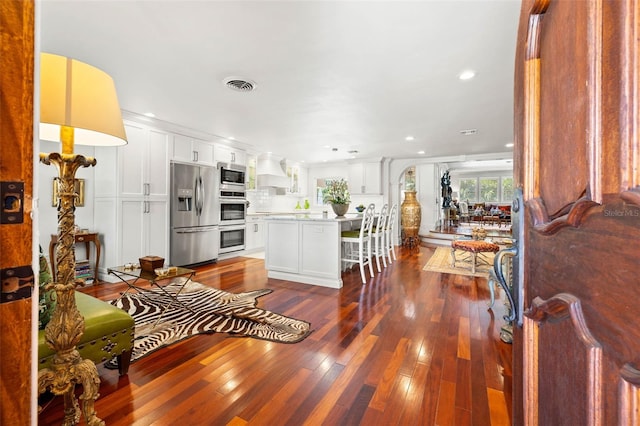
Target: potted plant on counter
[(337, 194)]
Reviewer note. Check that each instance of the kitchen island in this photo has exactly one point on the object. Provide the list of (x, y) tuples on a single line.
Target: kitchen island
[(306, 248)]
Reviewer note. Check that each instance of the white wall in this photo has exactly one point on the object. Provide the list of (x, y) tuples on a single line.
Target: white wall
[(428, 194)]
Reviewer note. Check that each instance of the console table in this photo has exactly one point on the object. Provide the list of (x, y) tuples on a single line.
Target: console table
[(90, 237)]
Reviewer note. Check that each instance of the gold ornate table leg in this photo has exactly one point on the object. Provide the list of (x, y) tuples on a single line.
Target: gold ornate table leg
[(65, 329)]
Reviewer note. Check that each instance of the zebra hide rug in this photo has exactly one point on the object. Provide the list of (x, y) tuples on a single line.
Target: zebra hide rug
[(214, 311)]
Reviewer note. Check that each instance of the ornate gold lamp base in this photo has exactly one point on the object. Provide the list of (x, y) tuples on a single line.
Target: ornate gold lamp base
[(66, 327)]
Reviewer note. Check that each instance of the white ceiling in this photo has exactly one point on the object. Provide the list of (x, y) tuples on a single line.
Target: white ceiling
[(351, 75)]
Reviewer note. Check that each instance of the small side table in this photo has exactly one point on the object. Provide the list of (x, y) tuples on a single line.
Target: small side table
[(91, 237), (125, 275)]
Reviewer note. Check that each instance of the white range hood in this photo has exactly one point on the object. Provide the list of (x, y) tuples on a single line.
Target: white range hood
[(271, 172)]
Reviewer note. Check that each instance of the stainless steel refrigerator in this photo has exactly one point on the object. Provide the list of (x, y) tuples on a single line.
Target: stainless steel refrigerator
[(194, 219)]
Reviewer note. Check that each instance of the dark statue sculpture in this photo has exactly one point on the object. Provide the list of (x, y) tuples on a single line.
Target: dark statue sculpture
[(445, 182)]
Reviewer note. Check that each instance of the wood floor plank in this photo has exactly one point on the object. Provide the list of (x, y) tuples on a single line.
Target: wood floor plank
[(412, 410), (383, 389), (445, 414), (497, 404), (463, 339), (323, 408), (409, 347)]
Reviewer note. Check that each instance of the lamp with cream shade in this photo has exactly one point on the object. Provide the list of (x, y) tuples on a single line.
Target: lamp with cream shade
[(78, 105)]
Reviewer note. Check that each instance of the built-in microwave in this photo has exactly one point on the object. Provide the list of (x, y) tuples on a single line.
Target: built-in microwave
[(232, 176)]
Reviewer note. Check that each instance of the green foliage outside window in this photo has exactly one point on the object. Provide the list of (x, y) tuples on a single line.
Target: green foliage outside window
[(488, 189), (507, 189), (468, 189)]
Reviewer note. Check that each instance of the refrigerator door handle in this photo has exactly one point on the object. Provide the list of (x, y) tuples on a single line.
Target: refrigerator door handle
[(197, 196), (195, 231), (201, 195)]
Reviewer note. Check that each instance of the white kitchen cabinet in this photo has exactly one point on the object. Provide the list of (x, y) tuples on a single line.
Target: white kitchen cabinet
[(143, 163), (225, 154), (365, 177), (189, 150), (318, 248), (282, 246), (251, 176), (305, 249), (143, 230), (254, 234), (131, 210)]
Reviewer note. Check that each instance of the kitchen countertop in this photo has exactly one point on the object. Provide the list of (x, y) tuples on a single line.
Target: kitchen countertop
[(289, 212), (317, 217)]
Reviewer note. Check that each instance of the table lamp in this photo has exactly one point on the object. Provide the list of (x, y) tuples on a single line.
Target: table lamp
[(78, 105)]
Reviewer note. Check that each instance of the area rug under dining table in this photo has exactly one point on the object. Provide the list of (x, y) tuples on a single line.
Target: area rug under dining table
[(209, 310)]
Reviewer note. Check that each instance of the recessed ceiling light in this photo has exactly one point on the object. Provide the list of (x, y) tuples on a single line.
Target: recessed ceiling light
[(409, 138), (509, 145), (467, 75), (469, 132), (327, 146), (149, 114), (231, 138), (420, 152)]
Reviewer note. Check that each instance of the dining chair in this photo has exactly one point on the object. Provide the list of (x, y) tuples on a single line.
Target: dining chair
[(356, 244), (378, 237), (464, 211), (390, 232)]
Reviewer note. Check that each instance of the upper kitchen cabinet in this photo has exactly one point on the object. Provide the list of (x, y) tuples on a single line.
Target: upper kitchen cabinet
[(190, 150), (297, 179), (251, 172), (143, 164), (225, 154), (365, 177)]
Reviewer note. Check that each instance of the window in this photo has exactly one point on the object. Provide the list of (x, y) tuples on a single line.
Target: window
[(468, 189), (507, 189), (321, 183), (486, 189), (410, 179)]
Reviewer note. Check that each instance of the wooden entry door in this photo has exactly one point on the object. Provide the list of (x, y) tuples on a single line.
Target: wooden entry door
[(577, 162)]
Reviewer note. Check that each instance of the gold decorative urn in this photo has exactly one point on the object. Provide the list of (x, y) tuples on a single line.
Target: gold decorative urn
[(410, 215)]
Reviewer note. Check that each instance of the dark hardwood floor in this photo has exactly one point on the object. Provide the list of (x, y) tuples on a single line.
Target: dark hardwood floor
[(408, 348)]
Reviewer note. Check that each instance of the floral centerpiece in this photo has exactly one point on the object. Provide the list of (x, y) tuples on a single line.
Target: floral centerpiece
[(337, 194)]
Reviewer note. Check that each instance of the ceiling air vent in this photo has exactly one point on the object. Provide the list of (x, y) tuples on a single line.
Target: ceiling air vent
[(469, 132), (240, 84)]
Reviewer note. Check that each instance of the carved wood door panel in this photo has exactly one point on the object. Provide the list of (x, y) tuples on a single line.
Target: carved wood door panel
[(577, 103)]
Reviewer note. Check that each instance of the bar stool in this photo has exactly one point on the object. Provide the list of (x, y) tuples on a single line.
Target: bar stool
[(356, 244), (378, 236), (389, 232)]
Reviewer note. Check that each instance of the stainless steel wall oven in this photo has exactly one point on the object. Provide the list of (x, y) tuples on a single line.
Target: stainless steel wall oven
[(232, 238), (232, 212)]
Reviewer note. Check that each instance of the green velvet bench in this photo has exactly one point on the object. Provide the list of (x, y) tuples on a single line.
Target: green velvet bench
[(108, 333)]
